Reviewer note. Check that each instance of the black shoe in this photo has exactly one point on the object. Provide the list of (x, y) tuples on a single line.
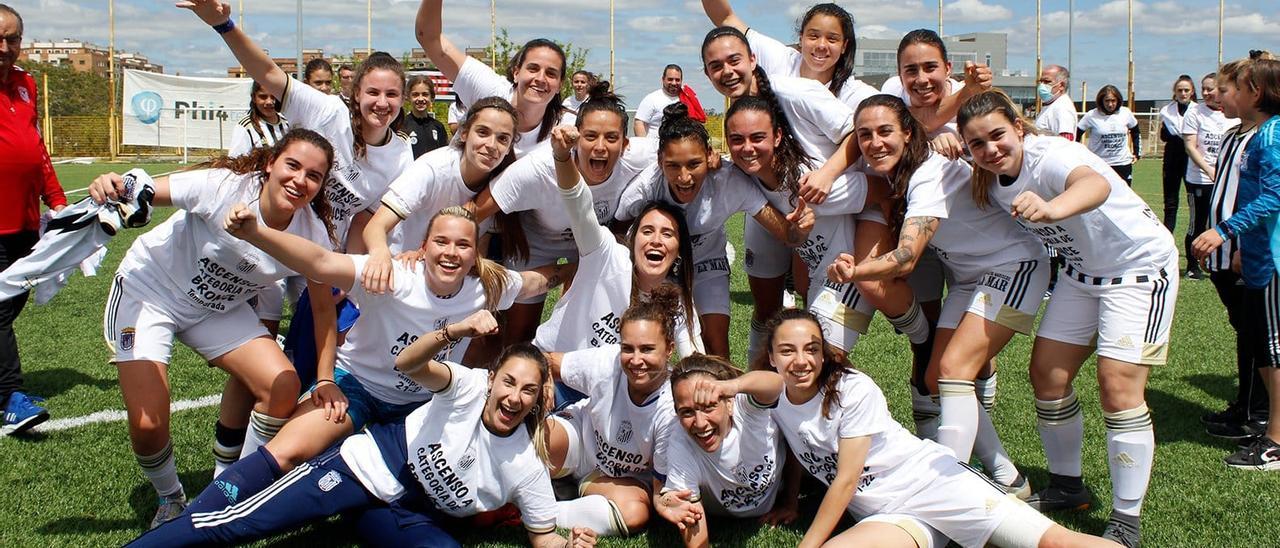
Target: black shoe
[(1123, 529), (1195, 275), (1236, 430), (1063, 493), (1232, 414), (1263, 454)]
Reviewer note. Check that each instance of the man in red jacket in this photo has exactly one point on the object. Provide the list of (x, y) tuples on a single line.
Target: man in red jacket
[(26, 177)]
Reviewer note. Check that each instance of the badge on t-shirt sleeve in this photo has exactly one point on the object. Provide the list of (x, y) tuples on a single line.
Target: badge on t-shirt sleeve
[(24, 95)]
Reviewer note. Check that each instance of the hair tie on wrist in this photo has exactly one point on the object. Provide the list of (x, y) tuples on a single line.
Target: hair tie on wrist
[(330, 381), (226, 27)]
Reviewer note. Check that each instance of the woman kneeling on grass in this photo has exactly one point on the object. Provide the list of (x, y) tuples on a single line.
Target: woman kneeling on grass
[(468, 437), (904, 491)]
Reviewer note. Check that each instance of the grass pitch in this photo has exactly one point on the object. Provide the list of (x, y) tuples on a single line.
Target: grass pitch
[(82, 487)]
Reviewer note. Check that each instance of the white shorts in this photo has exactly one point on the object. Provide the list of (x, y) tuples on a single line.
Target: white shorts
[(577, 461), (711, 287), (927, 278), (1127, 321), (542, 256), (1009, 295), (136, 326), (766, 256), (841, 310), (269, 304), (962, 505)]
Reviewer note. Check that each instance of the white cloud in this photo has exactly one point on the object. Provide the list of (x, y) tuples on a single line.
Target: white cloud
[(974, 11)]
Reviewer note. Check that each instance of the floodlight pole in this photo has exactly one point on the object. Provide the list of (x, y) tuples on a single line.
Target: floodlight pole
[(1131, 102), (114, 148), (1039, 69), (299, 40)]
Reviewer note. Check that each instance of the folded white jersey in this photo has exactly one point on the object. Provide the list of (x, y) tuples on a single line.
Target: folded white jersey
[(75, 238)]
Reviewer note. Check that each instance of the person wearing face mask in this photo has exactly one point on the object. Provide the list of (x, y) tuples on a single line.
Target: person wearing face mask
[(424, 131), (1113, 132), (1057, 113), (1173, 166), (649, 113), (1202, 130)]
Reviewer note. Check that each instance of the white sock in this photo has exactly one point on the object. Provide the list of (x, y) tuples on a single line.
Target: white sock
[(262, 428), (986, 390), (925, 410), (755, 341), (991, 453), (958, 424), (224, 457), (594, 511), (1131, 445), (912, 323), (1062, 433), (161, 469)]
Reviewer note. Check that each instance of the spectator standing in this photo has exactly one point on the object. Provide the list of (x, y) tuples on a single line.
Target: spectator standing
[(1174, 167), (425, 132)]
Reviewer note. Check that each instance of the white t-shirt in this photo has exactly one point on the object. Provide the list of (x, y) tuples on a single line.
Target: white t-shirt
[(1109, 135), (476, 81), (969, 239), (529, 184), (392, 321), (650, 109), (724, 192), (1058, 117), (456, 113), (742, 477), (247, 136), (623, 439), (833, 224), (355, 184), (1171, 118), (463, 467), (898, 464), (433, 182), (572, 103), (819, 121), (778, 58), (191, 261), (1209, 126), (1120, 237)]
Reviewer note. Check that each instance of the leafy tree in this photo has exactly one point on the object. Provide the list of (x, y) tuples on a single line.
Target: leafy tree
[(71, 93), (575, 58)]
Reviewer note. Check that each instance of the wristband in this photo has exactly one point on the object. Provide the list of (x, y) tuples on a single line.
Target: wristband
[(558, 159), (447, 338), (223, 28), (330, 381)]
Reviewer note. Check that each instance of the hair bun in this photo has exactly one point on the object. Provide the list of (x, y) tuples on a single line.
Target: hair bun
[(601, 89)]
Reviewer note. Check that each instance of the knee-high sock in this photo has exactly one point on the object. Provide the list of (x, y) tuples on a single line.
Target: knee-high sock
[(912, 323), (594, 511), (262, 428), (1062, 433), (227, 443), (925, 410), (1131, 445), (755, 341), (986, 390), (243, 479), (991, 453), (161, 469), (958, 425)]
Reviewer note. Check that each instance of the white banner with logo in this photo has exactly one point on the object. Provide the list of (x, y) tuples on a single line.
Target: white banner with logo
[(182, 111)]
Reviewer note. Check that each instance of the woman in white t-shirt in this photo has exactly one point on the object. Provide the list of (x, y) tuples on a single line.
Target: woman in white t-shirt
[(1116, 296), (998, 272), (1113, 132), (445, 177), (582, 83), (188, 279), (904, 491), (532, 82), (526, 193), (611, 442), (473, 448), (449, 283), (708, 197), (1174, 161), (1203, 128), (728, 461), (262, 127)]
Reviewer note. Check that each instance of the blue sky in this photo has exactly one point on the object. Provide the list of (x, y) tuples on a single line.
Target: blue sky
[(1171, 37)]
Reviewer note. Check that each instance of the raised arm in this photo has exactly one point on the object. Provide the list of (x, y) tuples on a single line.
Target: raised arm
[(257, 64), (429, 27), (721, 14), (977, 79), (763, 386), (299, 254), (851, 456), (543, 278), (417, 360), (912, 239), (110, 186), (817, 183), (1085, 190), (587, 232)]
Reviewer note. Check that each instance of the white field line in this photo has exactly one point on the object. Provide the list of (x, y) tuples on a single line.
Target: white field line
[(113, 415)]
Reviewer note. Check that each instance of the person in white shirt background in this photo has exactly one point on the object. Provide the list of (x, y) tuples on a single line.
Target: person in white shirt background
[(1057, 112), (318, 74), (581, 83), (1203, 127), (1173, 165), (649, 112), (1113, 132)]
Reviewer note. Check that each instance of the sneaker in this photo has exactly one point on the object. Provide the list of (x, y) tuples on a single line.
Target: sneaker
[(1233, 413), (1123, 529), (1263, 454), (1195, 275), (1019, 489), (21, 413), (1058, 496), (1236, 430), (170, 508)]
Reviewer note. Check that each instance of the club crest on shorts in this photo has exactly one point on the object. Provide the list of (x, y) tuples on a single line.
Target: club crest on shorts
[(624, 432), (246, 266), (126, 338), (329, 481), (467, 461)]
